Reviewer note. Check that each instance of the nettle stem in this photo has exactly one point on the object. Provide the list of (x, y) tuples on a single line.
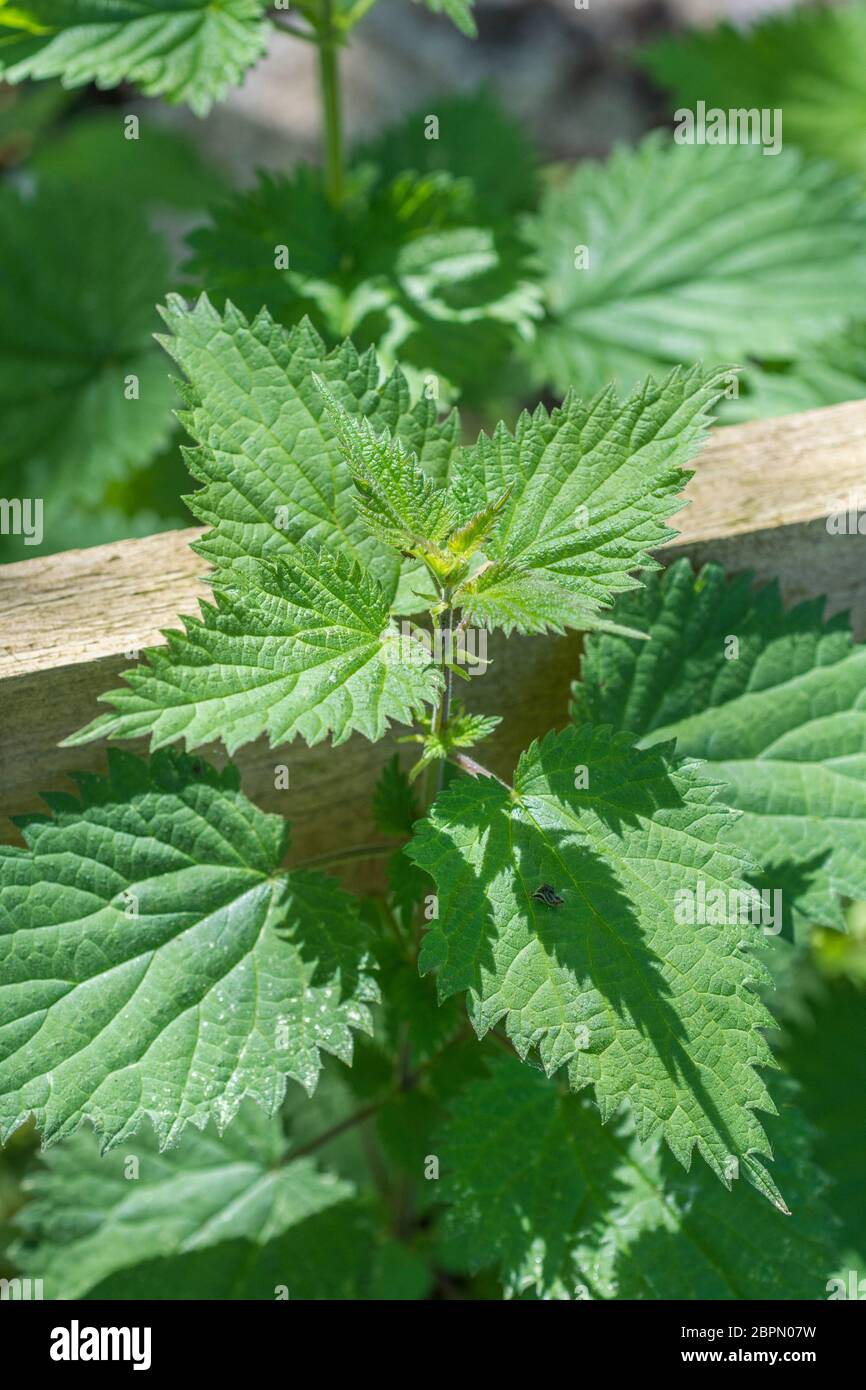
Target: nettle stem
[(445, 703), (435, 772), (475, 769), (329, 83)]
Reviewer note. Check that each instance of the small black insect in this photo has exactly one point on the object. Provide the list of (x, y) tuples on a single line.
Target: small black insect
[(545, 894)]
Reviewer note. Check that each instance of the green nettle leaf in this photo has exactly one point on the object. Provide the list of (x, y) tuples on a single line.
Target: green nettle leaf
[(181, 50), (408, 886), (464, 730), (303, 645), (823, 1049), (806, 62), (402, 506), (85, 394), (460, 11), (514, 1172), (328, 1256), (396, 499), (412, 264), (829, 373), (154, 962), (89, 1216), (675, 253), (561, 912), (476, 139), (776, 704), (395, 805), (566, 1207), (472, 534), (395, 811), (589, 490), (161, 168), (271, 467), (412, 1014)]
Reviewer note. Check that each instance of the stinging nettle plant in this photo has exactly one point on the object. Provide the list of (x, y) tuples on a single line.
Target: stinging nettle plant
[(160, 963), (538, 1059)]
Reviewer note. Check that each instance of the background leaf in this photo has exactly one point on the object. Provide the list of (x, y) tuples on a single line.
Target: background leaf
[(180, 50), (806, 62), (781, 721), (570, 1208), (696, 252), (823, 1048), (76, 321), (829, 373), (89, 1216), (460, 11), (476, 140), (411, 264), (153, 963), (160, 167)]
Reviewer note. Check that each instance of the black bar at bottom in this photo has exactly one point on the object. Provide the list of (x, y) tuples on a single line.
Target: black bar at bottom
[(66, 1339)]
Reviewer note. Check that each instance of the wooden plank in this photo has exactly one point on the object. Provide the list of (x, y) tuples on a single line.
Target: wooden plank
[(68, 623)]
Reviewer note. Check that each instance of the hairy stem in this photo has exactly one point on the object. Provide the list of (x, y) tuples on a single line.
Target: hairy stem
[(475, 769), (434, 773), (445, 705), (329, 83)]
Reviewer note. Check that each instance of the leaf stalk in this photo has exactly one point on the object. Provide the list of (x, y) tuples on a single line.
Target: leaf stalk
[(329, 40)]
